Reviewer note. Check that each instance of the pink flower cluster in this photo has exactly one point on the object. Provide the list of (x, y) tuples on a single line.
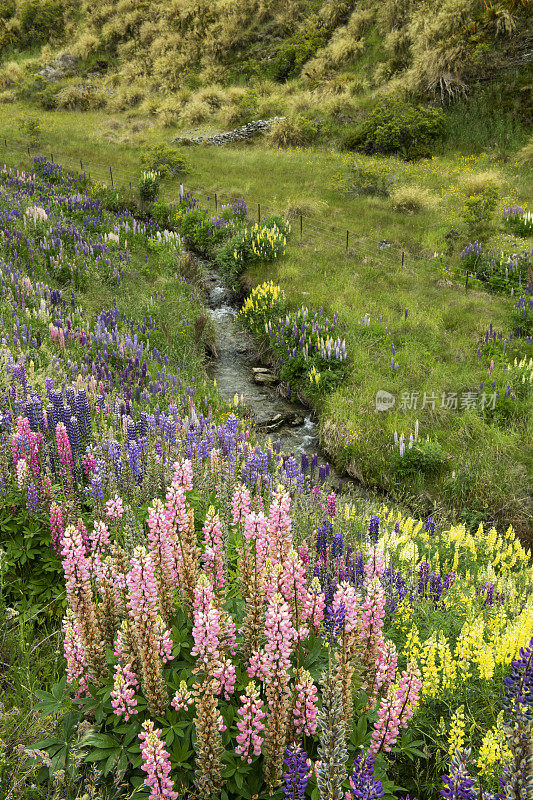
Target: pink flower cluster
[(305, 704), (125, 684), (213, 555), (114, 508), (396, 710), (240, 504), (182, 698), (63, 446), (250, 725), (156, 764), (182, 474), (374, 565)]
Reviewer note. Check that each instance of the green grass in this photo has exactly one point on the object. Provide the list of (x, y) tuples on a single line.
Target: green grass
[(486, 474)]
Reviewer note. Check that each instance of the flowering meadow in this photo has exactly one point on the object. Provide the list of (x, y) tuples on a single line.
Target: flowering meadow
[(230, 627)]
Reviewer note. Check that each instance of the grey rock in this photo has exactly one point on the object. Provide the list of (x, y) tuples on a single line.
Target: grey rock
[(265, 379), (59, 68), (238, 134)]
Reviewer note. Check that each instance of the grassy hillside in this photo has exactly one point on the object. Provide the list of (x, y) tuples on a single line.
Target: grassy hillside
[(226, 62)]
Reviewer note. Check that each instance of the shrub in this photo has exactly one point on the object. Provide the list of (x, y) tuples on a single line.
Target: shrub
[(370, 180), (39, 20), (160, 212), (275, 221), (7, 9), (149, 186), (245, 110), (293, 131), (31, 127), (426, 457), (478, 212), (293, 54), (395, 126), (166, 160), (413, 199)]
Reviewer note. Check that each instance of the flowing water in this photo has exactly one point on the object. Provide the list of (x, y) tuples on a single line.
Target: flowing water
[(232, 370)]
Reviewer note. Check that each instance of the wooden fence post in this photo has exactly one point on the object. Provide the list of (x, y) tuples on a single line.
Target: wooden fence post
[(259, 213), (111, 173), (347, 235), (301, 226), (216, 203), (403, 256)]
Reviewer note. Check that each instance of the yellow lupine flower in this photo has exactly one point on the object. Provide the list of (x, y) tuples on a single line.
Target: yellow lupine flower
[(456, 736), (493, 752)]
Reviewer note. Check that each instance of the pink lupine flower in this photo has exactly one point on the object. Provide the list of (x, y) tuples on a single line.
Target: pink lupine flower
[(331, 501), (114, 508), (256, 530), (213, 555), (316, 603), (240, 504), (257, 666), (142, 586), (345, 593), (125, 684), (99, 537), (396, 710), (225, 674), (305, 707), (182, 474), (279, 634), (63, 445), (89, 464), (374, 565), (386, 665), (294, 590), (214, 460), (280, 524), (75, 656), (250, 725), (373, 612), (183, 697), (156, 764), (56, 525), (303, 552), (22, 473), (165, 642), (61, 338)]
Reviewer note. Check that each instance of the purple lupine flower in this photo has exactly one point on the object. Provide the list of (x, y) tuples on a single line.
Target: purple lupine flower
[(373, 529), (32, 499), (363, 784), (423, 578), (336, 546), (333, 623), (518, 699), (295, 777), (430, 526), (458, 784)]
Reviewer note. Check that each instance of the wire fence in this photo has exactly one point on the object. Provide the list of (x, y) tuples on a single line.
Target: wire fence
[(307, 230)]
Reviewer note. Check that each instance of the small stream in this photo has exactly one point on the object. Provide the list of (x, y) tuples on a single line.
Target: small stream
[(283, 420)]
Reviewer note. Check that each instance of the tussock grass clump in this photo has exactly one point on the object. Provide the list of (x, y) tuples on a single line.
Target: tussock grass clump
[(525, 156), (295, 131), (480, 182), (413, 199)]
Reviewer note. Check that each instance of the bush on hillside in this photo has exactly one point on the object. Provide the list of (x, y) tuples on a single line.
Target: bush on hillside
[(396, 126), (39, 20), (373, 180), (7, 9), (293, 54), (294, 131), (525, 156), (168, 161), (478, 212)]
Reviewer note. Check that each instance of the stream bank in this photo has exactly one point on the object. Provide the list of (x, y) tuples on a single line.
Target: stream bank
[(237, 371)]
